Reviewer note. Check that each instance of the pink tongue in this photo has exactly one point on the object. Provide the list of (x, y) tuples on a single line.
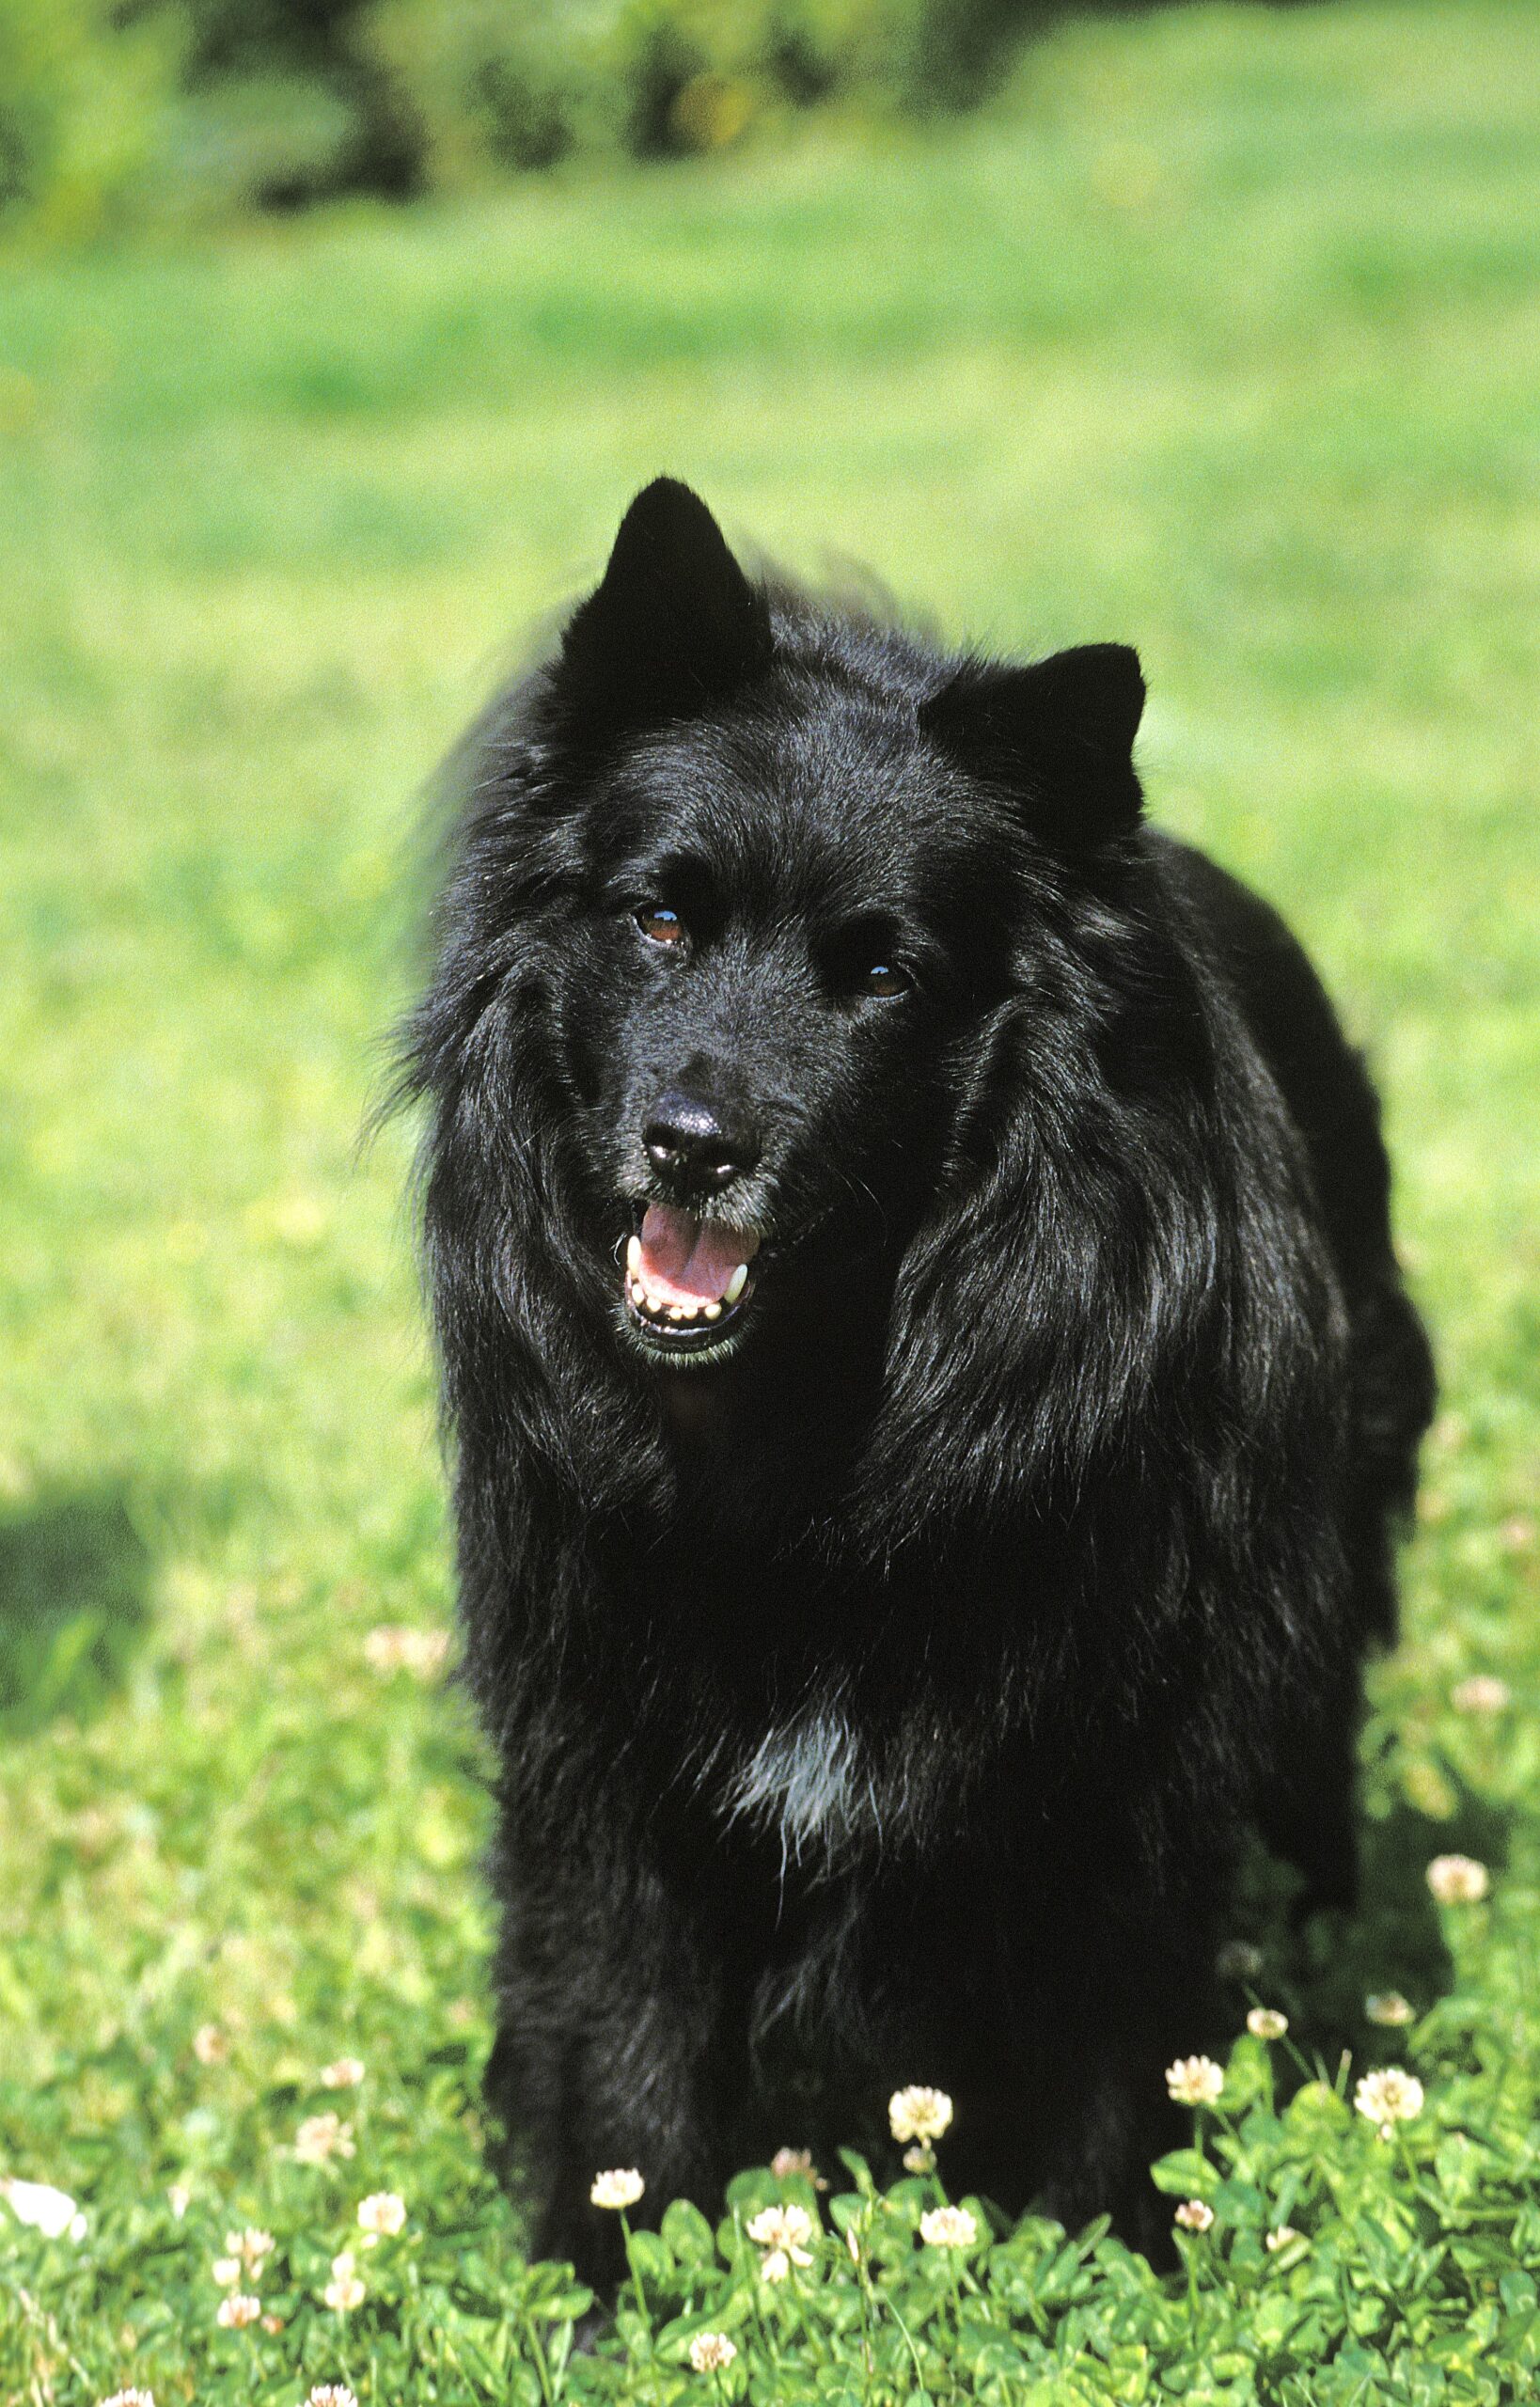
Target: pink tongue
[(687, 1260)]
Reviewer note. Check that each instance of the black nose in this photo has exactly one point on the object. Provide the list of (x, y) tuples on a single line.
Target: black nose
[(692, 1145)]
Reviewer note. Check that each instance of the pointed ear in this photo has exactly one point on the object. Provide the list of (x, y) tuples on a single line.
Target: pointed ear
[(673, 624), (1059, 734)]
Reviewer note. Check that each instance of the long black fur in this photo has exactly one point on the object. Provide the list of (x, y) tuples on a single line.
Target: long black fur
[(887, 1702)]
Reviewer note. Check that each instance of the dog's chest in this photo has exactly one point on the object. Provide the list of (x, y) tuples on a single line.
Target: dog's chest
[(808, 1784)]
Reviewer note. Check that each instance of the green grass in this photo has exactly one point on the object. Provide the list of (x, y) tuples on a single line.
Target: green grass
[(1219, 334)]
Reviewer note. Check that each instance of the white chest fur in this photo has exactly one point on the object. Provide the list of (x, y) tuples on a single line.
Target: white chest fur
[(806, 1783)]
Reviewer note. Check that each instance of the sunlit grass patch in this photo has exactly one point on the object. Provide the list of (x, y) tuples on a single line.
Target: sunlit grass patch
[(1216, 336)]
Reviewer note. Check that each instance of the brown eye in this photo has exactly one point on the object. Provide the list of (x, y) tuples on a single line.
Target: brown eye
[(660, 926), (884, 977)]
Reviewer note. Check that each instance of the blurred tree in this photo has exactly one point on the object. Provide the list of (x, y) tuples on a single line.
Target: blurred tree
[(289, 101), (85, 99)]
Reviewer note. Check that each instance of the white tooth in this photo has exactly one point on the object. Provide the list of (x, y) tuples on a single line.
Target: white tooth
[(676, 1312), (638, 1293), (654, 1303), (690, 1311), (736, 1285), (714, 1312), (632, 1257)]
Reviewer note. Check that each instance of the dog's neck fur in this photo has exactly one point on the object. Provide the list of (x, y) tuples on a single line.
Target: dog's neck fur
[(768, 1444)]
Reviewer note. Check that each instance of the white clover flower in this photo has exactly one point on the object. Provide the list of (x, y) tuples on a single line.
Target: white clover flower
[(1481, 1693), (618, 2189), (210, 2045), (332, 2394), (1195, 2214), (227, 2272), (920, 2158), (1390, 2008), (383, 1649), (321, 2137), (1389, 2096), (252, 2247), (130, 2398), (399, 1648), (1265, 2023), (948, 2228), (179, 2200), (776, 2266), (1458, 1880), (918, 2113), (1239, 1960), (52, 2212), (346, 2074), (238, 2311), (344, 2292), (784, 2230), (1194, 2081), (787, 2160), (711, 2351), (1279, 2238), (425, 1652), (382, 2213)]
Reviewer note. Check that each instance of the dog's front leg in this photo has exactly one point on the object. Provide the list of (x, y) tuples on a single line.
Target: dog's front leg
[(610, 2055)]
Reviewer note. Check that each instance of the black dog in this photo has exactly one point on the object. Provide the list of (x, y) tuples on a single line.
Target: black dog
[(930, 1383)]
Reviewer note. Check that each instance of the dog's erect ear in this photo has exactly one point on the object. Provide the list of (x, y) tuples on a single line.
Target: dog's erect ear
[(1059, 734), (673, 624)]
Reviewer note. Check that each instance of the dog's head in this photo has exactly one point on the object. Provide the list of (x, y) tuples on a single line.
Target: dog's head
[(809, 1001), (768, 896)]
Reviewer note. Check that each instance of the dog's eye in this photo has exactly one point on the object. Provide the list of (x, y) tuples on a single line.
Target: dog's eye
[(659, 925), (862, 963)]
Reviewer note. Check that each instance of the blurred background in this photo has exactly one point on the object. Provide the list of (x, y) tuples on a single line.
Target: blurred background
[(334, 336), (121, 112)]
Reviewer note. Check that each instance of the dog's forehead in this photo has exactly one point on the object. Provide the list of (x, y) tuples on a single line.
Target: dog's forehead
[(839, 794)]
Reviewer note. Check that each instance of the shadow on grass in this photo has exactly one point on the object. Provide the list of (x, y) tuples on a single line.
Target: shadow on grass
[(1322, 1969), (74, 1576)]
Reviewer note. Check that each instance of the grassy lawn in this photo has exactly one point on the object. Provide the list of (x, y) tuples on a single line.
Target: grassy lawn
[(1219, 334)]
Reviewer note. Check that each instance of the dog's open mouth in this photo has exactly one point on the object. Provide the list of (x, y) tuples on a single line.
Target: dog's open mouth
[(687, 1281)]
